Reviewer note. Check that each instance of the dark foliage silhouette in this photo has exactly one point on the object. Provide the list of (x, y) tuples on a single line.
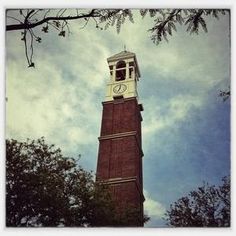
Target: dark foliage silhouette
[(208, 206), (44, 188)]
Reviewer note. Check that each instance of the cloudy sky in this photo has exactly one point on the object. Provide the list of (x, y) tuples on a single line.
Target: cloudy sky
[(186, 126)]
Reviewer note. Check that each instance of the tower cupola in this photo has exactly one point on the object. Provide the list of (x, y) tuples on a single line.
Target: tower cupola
[(124, 74)]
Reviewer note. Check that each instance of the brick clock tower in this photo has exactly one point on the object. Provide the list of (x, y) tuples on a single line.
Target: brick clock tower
[(120, 152)]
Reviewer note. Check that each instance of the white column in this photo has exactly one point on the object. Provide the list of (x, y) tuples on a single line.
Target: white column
[(133, 73), (114, 73), (127, 71)]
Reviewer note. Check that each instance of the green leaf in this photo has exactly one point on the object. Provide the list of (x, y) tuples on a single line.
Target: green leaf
[(45, 29), (38, 40), (143, 12), (32, 65), (62, 33), (172, 25), (169, 28), (57, 23)]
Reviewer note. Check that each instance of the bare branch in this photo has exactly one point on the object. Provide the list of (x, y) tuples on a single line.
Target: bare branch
[(31, 48), (95, 21), (87, 20), (25, 43), (28, 25), (67, 26), (32, 32), (22, 12), (59, 12), (53, 25), (11, 17), (34, 13), (62, 13), (29, 12), (46, 13)]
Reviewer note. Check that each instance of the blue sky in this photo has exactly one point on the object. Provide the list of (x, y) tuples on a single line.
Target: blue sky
[(186, 126)]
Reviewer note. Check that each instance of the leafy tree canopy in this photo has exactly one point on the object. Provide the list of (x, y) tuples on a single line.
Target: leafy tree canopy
[(208, 206), (44, 188)]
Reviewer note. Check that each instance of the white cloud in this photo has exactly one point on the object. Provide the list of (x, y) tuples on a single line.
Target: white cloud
[(153, 208), (176, 110), (43, 103)]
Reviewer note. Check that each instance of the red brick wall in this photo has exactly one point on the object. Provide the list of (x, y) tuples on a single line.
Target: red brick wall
[(121, 116), (121, 157), (128, 196)]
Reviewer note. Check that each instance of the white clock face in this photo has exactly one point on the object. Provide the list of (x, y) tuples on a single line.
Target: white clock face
[(119, 88)]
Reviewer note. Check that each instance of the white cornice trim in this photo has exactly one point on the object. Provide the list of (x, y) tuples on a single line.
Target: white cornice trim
[(114, 181), (118, 135), (122, 135)]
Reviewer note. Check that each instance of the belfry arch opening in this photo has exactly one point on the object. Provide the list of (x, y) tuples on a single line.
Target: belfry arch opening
[(120, 70)]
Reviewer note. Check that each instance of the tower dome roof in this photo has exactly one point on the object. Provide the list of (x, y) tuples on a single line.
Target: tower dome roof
[(120, 55)]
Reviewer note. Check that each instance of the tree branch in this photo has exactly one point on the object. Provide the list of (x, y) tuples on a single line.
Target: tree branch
[(27, 25), (11, 17), (28, 15)]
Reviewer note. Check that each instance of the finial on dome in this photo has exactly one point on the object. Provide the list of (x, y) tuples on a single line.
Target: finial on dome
[(124, 47)]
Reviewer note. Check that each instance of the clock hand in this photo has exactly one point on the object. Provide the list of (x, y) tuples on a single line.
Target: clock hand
[(119, 88)]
